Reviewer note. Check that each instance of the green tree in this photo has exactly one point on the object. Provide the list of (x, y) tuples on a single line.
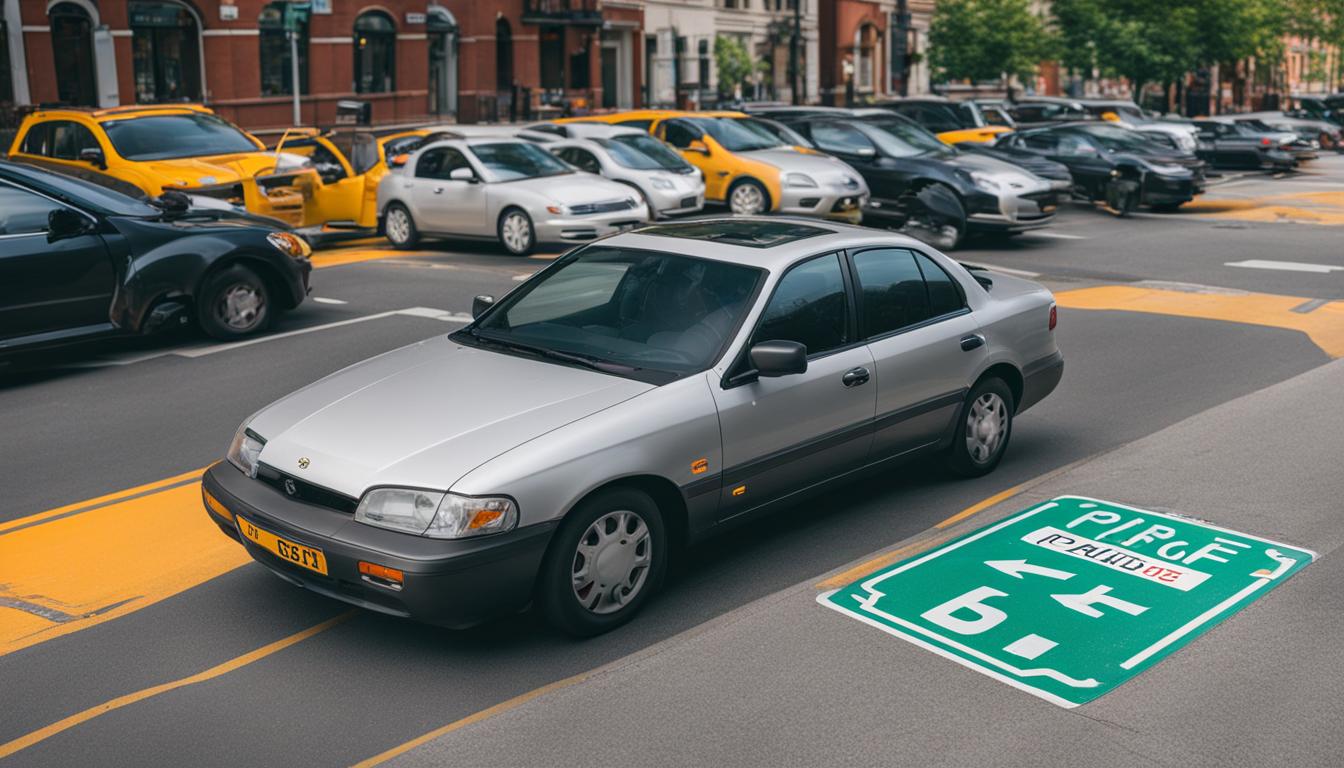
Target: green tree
[(987, 40), (734, 62)]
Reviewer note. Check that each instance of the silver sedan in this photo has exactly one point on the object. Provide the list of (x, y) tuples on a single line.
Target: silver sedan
[(668, 184), (639, 393), (504, 189)]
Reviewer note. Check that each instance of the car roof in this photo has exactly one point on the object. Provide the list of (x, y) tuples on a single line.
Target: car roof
[(773, 242), (583, 130), (99, 114)]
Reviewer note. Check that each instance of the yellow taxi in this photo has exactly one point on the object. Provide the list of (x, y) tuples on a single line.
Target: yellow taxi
[(952, 121), (749, 169)]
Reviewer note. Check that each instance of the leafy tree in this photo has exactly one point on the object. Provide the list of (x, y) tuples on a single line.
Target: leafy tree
[(735, 63), (987, 39)]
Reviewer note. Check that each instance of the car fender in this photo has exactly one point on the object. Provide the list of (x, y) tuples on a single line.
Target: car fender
[(663, 433)]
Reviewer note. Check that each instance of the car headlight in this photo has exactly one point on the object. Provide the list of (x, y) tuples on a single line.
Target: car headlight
[(558, 210), (661, 183), (244, 450), (289, 244), (461, 517), (985, 182), (408, 510), (798, 180)]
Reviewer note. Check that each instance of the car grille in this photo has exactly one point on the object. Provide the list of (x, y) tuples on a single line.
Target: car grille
[(305, 491), (687, 202), (607, 207)]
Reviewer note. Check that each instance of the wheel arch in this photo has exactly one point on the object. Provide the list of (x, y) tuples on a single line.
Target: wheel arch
[(269, 274), (1010, 375)]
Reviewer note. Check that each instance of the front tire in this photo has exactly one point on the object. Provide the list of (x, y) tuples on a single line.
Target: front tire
[(516, 233), (606, 559), (943, 231), (234, 302), (984, 425), (748, 198), (399, 227)]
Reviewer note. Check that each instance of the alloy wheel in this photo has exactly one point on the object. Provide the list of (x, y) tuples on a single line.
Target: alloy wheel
[(611, 562), (986, 425), (240, 307), (746, 200), (516, 232), (398, 226)]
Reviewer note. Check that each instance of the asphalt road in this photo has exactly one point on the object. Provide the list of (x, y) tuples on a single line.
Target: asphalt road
[(90, 422)]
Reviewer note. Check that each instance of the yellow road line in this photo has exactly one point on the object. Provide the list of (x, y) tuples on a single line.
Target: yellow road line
[(111, 497), (42, 734), (1301, 207), (324, 259), (852, 575), (484, 714), (65, 574), (1324, 325)]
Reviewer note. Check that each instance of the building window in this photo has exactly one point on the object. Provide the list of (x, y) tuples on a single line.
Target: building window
[(703, 50), (552, 58), (277, 72), (504, 56), (579, 75), (72, 43), (166, 52), (375, 53)]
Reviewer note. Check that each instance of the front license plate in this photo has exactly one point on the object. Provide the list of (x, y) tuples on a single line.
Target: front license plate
[(304, 557)]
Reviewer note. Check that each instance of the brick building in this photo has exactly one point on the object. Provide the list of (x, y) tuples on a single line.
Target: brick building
[(469, 60), (859, 52)]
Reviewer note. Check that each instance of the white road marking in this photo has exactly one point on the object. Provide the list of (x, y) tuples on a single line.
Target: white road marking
[(1030, 646), (1286, 266), (1055, 235), (321, 300)]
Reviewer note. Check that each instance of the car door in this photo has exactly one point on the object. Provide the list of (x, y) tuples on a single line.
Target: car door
[(925, 343), (886, 184), (447, 205), (680, 133), (48, 286), (783, 434)]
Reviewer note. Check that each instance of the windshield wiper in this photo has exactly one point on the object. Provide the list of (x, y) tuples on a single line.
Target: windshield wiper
[(553, 354)]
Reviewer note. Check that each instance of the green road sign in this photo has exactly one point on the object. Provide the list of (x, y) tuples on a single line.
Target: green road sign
[(1073, 597)]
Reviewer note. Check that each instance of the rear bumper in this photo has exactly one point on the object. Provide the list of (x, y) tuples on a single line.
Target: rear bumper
[(1039, 379), (449, 583)]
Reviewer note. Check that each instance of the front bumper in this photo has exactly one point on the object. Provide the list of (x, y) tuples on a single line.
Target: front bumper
[(1013, 211), (452, 583), (832, 202), (551, 228), (672, 202), (1159, 189)]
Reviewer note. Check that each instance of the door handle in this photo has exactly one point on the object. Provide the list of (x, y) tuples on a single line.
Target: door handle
[(855, 377), (974, 341), (438, 190)]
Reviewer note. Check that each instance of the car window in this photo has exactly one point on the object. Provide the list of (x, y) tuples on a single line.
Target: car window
[(680, 134), (68, 139), (1045, 141), (892, 288), (518, 160), (944, 296), (651, 310), (38, 140), (163, 137), (644, 152), (439, 163), (841, 139), (1075, 146), (22, 212), (642, 125), (584, 160), (809, 307)]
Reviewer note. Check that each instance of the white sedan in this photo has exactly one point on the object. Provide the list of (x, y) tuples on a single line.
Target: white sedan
[(500, 188)]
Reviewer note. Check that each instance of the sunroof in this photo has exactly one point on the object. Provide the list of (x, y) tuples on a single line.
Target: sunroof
[(746, 232)]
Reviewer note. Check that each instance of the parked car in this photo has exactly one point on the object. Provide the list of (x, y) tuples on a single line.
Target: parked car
[(1225, 144), (1324, 132), (500, 188), (1115, 165), (934, 191), (1322, 107), (749, 169), (80, 261), (1289, 141), (997, 112), (640, 393), (1127, 114), (668, 184), (953, 121), (1037, 165), (1038, 111)]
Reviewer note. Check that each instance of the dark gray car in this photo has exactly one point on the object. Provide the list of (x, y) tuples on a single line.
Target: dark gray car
[(640, 393)]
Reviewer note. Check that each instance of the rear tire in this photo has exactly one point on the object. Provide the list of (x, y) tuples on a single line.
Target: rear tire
[(234, 302), (944, 232), (748, 198), (983, 428), (607, 558), (399, 227)]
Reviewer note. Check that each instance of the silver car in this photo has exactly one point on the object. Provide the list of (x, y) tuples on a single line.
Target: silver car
[(668, 184), (486, 187), (640, 393)]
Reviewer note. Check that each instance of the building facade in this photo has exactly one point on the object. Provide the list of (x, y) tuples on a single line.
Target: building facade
[(679, 40), (872, 49), (413, 60)]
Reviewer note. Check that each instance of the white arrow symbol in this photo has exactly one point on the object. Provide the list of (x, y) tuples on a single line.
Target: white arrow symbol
[(1016, 568)]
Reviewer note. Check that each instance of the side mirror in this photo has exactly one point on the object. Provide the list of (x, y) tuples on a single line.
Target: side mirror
[(95, 156), (462, 174), (699, 147), (398, 161), (63, 223), (481, 303), (778, 358)]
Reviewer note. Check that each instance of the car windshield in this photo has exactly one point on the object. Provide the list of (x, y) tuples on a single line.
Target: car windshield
[(900, 138), (1120, 139), (971, 116), (779, 131), (511, 160), (635, 312), (735, 135), (164, 137), (643, 152)]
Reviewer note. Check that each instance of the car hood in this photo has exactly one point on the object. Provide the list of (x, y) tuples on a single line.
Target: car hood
[(571, 188), (207, 171), (423, 416), (1014, 177), (824, 169)]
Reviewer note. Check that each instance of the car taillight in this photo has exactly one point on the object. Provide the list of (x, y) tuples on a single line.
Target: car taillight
[(1264, 141), (1054, 317)]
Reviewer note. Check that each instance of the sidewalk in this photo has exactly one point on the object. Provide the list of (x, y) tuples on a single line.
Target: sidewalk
[(785, 681)]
